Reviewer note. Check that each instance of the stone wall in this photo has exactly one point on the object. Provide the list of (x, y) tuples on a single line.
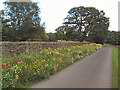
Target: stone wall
[(15, 48)]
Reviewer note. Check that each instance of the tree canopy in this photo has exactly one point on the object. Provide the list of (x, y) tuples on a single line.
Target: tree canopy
[(21, 21), (87, 22)]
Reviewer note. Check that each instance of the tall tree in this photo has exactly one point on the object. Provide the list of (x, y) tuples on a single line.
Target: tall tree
[(86, 21), (113, 37), (24, 19), (52, 36), (66, 33)]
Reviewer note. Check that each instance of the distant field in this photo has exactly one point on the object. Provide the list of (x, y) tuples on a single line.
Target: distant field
[(116, 55)]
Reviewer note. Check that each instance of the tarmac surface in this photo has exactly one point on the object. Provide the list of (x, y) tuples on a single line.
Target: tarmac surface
[(93, 71)]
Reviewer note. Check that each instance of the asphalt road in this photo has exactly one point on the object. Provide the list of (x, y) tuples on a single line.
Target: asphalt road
[(93, 71)]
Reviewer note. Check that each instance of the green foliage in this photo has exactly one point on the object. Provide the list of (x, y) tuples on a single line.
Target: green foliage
[(21, 21), (84, 23), (52, 36), (19, 70), (113, 37)]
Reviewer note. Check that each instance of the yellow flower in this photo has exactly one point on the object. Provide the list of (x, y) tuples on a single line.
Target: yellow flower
[(25, 66), (68, 49), (27, 50), (16, 65), (6, 74), (47, 64), (35, 65), (2, 69)]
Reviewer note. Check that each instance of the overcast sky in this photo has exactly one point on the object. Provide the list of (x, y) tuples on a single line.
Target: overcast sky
[(54, 11)]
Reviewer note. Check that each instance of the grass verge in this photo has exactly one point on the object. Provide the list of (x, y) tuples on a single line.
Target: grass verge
[(115, 67)]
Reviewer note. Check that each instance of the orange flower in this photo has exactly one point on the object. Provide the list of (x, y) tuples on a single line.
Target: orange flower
[(13, 85), (60, 59), (52, 50)]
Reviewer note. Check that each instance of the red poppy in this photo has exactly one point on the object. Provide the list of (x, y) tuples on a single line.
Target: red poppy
[(59, 55), (44, 61), (11, 63), (52, 50), (55, 64), (59, 62), (63, 57), (64, 65), (3, 66)]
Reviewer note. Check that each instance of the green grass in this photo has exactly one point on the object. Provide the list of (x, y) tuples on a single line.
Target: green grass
[(115, 66)]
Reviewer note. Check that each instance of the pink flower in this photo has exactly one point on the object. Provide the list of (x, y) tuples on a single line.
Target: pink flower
[(8, 64), (20, 62)]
